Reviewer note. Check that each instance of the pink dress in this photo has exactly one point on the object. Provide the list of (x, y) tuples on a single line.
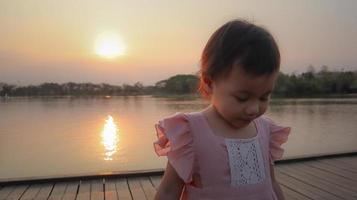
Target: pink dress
[(228, 168)]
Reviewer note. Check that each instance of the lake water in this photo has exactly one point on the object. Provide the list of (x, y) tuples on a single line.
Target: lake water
[(53, 137)]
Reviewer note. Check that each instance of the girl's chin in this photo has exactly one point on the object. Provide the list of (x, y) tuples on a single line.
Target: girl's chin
[(239, 123)]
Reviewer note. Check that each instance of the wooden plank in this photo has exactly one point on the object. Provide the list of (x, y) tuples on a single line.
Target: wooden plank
[(156, 180), (329, 177), (333, 169), (45, 191), (58, 191), (97, 189), (341, 165), (123, 189), (31, 192), (18, 191), (71, 191), (350, 160), (148, 187), (344, 161), (301, 187), (136, 190), (328, 187), (110, 189), (291, 194), (84, 190), (5, 191)]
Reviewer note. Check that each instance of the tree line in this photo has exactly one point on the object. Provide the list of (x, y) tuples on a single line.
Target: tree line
[(316, 84), (307, 84), (74, 89)]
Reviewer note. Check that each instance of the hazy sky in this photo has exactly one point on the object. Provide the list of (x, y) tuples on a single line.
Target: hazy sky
[(54, 41)]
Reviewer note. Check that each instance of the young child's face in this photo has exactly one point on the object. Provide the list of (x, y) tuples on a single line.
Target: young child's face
[(240, 97)]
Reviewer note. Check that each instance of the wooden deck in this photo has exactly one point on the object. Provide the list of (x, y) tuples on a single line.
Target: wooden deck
[(323, 178)]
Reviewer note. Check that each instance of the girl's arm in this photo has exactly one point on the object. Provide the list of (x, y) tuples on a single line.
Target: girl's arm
[(276, 186), (171, 185)]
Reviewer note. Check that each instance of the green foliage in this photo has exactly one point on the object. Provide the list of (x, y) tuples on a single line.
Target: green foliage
[(307, 84), (73, 89), (179, 84), (312, 84)]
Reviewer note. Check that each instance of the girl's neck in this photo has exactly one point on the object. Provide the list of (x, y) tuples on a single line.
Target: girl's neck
[(223, 128)]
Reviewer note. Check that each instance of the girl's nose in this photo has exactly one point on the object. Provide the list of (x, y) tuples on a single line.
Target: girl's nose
[(252, 109)]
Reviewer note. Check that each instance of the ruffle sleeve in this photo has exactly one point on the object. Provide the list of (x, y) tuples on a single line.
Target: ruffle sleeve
[(278, 136), (175, 141)]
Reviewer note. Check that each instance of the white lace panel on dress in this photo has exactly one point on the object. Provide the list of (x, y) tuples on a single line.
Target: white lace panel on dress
[(246, 161)]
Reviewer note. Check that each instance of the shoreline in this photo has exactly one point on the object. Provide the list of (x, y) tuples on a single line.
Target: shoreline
[(182, 96)]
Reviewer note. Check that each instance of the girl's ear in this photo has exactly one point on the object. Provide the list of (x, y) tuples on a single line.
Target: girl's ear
[(208, 85)]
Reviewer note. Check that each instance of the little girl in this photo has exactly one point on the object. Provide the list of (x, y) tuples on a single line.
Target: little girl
[(227, 151)]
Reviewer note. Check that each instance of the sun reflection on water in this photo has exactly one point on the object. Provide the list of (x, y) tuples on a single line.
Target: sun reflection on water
[(110, 138)]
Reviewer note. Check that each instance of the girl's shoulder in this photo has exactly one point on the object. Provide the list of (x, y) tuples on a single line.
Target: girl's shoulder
[(271, 126), (179, 122), (174, 140), (277, 135)]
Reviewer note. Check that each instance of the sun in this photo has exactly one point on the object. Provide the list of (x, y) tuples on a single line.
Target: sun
[(109, 45)]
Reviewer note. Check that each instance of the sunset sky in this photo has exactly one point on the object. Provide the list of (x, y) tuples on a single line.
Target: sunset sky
[(60, 41)]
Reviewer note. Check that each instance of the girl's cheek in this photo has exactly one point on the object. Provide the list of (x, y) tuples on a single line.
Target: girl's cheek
[(263, 108), (230, 110)]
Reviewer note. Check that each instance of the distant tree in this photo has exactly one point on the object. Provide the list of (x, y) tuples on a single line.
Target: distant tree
[(311, 69), (324, 69), (6, 89), (179, 84), (49, 89), (138, 88)]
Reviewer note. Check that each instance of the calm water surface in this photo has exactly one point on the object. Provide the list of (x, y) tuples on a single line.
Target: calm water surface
[(41, 137)]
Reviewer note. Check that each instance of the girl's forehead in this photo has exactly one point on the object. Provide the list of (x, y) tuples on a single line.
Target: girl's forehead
[(239, 80)]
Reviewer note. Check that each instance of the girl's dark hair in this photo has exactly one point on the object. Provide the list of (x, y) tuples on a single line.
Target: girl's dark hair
[(238, 42)]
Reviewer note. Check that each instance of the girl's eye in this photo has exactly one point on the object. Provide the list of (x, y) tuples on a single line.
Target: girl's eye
[(242, 99), (265, 98)]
